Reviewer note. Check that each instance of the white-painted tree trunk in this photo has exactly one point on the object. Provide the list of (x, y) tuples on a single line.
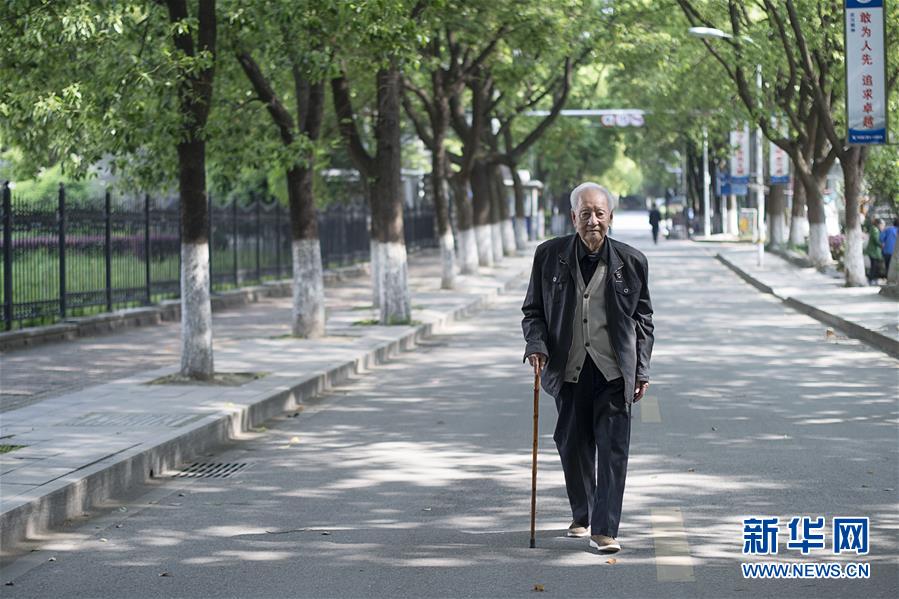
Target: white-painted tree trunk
[(724, 215), (468, 252), (799, 230), (853, 259), (521, 232), (496, 234), (447, 260), (484, 236), (196, 312), (733, 216), (509, 241), (818, 245), (375, 274), (308, 289), (778, 233), (893, 272), (395, 301)]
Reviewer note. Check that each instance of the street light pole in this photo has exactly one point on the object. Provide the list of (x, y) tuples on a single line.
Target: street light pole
[(706, 180), (760, 177)]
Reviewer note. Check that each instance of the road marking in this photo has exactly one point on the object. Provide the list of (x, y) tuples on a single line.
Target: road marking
[(649, 409), (673, 561)]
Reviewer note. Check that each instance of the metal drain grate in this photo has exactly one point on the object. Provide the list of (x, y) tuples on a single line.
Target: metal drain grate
[(210, 470), (137, 420)]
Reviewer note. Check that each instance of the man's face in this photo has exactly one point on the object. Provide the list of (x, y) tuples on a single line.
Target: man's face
[(592, 217)]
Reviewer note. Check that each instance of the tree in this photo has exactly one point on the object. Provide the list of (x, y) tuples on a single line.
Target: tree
[(196, 50), (291, 39), (803, 67), (89, 80), (448, 63), (380, 33)]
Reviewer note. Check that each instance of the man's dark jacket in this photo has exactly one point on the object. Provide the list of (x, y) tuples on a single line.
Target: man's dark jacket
[(549, 310)]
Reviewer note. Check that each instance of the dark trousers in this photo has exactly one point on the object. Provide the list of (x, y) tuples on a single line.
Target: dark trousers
[(592, 434)]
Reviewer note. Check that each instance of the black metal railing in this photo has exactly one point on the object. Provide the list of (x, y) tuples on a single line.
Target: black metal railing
[(75, 259)]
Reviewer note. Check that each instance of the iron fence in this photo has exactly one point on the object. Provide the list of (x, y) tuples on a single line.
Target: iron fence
[(79, 259)]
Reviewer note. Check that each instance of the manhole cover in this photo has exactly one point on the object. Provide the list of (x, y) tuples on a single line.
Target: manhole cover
[(210, 470), (149, 420)]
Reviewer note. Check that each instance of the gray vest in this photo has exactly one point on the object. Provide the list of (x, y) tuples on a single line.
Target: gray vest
[(590, 333)]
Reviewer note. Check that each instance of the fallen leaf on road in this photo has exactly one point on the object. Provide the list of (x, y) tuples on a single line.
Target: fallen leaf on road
[(426, 509), (10, 583), (119, 525), (52, 559), (123, 509), (104, 540), (294, 440), (326, 534), (165, 574), (691, 469), (714, 429), (612, 561), (539, 588)]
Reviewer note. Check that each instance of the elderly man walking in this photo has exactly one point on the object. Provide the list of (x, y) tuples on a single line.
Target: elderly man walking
[(588, 328)]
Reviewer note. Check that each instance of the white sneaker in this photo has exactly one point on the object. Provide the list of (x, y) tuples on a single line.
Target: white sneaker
[(577, 531), (604, 544)]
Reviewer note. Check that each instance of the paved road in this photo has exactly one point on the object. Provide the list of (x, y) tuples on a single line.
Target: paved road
[(413, 481)]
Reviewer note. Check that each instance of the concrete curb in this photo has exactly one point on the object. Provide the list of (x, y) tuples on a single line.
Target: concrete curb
[(164, 311), (103, 482), (876, 340)]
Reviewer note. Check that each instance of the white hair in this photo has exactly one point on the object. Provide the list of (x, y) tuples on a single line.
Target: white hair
[(590, 186)]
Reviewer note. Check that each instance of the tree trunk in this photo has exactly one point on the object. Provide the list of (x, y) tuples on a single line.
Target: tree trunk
[(468, 245), (520, 221), (387, 204), (195, 100), (853, 256), (196, 309), (507, 232), (777, 219), (798, 218), (733, 215), (480, 189), (308, 314), (441, 206), (818, 244)]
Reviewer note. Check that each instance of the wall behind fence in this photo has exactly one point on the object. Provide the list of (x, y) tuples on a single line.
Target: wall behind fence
[(106, 254)]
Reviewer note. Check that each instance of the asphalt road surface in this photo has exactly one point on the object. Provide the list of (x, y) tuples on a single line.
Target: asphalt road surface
[(414, 479)]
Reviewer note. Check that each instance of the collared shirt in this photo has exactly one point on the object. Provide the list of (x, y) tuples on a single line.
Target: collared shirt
[(587, 260)]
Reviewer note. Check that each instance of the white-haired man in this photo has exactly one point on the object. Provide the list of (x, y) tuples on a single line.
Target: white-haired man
[(588, 328)]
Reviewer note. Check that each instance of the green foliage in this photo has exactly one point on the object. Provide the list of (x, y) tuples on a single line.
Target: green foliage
[(882, 177)]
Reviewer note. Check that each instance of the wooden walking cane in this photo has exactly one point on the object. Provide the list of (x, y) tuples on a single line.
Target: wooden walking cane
[(534, 461)]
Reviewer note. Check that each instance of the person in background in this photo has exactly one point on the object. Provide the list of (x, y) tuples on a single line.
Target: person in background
[(888, 240), (655, 218), (874, 250)]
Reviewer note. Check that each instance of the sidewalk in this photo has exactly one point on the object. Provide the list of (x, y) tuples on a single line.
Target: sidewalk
[(89, 441), (859, 312)]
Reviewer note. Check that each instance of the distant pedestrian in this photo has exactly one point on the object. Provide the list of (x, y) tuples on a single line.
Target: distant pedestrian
[(874, 250), (888, 240), (655, 217)]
